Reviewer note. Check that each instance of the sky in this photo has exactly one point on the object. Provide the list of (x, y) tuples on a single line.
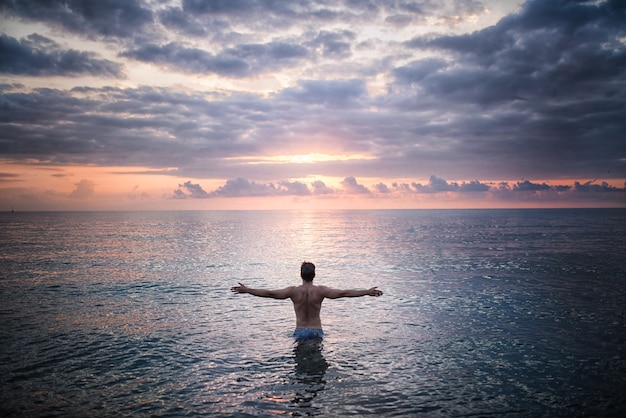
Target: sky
[(278, 104)]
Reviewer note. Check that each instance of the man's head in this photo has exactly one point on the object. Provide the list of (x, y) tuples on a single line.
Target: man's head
[(307, 271)]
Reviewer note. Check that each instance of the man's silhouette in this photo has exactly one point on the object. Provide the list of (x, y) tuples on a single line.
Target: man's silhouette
[(307, 300)]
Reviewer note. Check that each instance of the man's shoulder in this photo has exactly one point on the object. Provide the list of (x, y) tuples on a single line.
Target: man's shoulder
[(323, 290)]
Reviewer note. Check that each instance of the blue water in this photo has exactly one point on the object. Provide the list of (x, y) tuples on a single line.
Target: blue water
[(485, 312)]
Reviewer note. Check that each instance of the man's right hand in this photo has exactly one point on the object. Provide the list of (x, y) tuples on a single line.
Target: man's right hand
[(374, 291)]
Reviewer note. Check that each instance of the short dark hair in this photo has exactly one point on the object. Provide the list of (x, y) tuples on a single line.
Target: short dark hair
[(307, 271)]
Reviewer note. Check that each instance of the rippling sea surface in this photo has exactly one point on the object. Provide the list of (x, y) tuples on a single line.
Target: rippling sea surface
[(485, 312)]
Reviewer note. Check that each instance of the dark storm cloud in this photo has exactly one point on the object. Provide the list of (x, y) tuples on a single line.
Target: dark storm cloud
[(161, 128), (220, 20), (176, 19), (278, 11), (418, 70), (547, 81), (37, 55), (194, 60), (549, 50), (148, 127), (109, 18), (243, 60), (335, 45), (326, 92), (237, 7)]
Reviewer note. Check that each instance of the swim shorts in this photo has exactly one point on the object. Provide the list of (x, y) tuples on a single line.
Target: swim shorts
[(301, 334)]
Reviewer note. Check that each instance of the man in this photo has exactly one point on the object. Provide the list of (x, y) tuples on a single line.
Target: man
[(307, 300)]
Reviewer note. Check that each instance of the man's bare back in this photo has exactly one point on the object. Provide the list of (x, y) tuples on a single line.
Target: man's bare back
[(307, 298), (307, 303)]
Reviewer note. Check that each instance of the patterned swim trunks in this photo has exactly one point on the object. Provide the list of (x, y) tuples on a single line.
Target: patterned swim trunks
[(301, 334)]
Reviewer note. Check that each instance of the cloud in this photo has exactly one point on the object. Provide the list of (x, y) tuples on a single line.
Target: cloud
[(84, 189), (417, 71), (194, 191), (137, 195), (116, 127), (294, 188), (527, 186), (474, 186), (604, 187), (236, 7), (241, 61), (108, 18), (577, 187), (549, 50), (193, 60), (436, 185), (188, 23), (440, 185), (382, 188), (179, 194), (335, 45), (351, 186), (548, 76), (326, 92), (242, 187), (39, 56), (9, 177), (279, 14), (319, 188), (399, 20)]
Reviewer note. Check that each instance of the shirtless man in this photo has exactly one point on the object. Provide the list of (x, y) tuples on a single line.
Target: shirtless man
[(307, 300)]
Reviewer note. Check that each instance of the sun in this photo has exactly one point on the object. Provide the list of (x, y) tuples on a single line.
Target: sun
[(305, 158), (311, 158)]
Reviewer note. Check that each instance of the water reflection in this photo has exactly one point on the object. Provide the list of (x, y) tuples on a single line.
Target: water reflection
[(310, 369)]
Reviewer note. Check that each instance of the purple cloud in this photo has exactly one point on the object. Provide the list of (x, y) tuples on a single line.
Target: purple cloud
[(351, 186)]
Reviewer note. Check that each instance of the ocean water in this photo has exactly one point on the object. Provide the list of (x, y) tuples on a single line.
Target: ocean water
[(485, 312)]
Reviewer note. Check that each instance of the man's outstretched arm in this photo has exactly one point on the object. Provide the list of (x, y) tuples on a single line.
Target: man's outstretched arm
[(264, 293), (351, 293)]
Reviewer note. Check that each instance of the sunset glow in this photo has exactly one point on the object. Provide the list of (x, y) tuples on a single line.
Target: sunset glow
[(261, 105), (298, 159)]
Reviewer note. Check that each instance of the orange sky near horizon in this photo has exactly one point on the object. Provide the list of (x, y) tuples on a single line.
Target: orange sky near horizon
[(43, 188)]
